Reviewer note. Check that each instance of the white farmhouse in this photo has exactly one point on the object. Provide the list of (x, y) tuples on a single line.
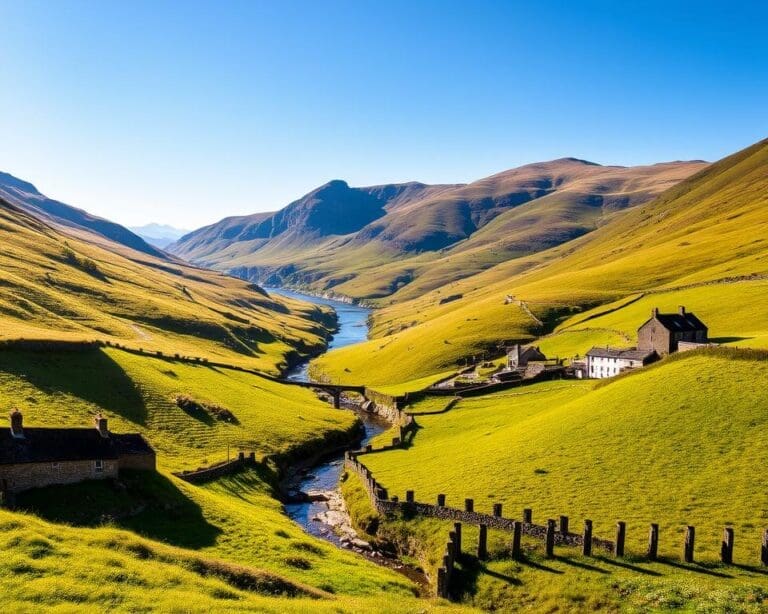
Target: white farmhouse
[(607, 362)]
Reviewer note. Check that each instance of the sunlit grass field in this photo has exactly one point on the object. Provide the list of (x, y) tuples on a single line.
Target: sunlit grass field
[(680, 443), (236, 518), (79, 286), (137, 394), (64, 569)]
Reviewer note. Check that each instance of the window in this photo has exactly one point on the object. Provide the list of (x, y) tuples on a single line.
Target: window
[(98, 466)]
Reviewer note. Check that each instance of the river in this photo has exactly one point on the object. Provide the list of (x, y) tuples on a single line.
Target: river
[(352, 328)]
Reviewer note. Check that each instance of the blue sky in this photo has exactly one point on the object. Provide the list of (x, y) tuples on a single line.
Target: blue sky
[(184, 112)]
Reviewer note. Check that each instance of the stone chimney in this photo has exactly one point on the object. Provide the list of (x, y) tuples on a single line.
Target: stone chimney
[(100, 422), (681, 310), (17, 424), (654, 312), (513, 358)]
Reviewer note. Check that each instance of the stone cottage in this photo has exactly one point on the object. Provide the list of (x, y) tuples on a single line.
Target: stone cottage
[(37, 457), (665, 332)]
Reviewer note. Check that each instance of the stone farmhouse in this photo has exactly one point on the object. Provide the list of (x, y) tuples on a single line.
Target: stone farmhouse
[(665, 333), (519, 356), (662, 334), (37, 457)]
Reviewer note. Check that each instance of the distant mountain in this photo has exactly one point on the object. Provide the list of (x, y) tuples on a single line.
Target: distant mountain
[(26, 196), (159, 235), (373, 242)]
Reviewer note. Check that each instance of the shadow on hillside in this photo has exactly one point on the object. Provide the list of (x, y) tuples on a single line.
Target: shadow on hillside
[(694, 567), (91, 376), (629, 566), (722, 340), (145, 503)]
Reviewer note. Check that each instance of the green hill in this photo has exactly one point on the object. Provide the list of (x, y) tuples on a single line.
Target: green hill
[(77, 285), (679, 443), (187, 531), (692, 236)]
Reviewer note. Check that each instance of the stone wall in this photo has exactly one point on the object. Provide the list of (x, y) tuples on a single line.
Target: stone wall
[(16, 478), (386, 505), (52, 345), (214, 472), (142, 462)]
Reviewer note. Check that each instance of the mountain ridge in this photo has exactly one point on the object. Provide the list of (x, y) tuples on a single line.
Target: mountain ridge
[(406, 231), (26, 196)]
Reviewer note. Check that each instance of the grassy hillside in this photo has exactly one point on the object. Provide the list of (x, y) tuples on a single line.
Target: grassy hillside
[(62, 569), (399, 240), (79, 286), (709, 229), (676, 444), (26, 196), (236, 519)]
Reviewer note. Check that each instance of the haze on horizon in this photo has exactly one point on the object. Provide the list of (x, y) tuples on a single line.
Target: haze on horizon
[(181, 114)]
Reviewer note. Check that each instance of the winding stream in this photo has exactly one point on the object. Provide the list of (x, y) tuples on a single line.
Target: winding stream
[(353, 328)]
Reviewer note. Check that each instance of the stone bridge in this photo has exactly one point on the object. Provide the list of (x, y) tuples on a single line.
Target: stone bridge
[(334, 390)]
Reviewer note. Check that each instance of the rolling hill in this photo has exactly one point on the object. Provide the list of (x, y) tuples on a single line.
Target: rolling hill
[(708, 232), (675, 444), (74, 284), (149, 540), (26, 196), (400, 240)]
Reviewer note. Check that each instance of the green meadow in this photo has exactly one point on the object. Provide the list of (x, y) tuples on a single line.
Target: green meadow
[(676, 444)]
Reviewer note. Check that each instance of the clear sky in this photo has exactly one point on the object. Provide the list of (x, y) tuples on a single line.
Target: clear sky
[(184, 112)]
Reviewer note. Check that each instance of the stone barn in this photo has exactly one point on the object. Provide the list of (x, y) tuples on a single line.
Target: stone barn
[(518, 356), (37, 457), (664, 332)]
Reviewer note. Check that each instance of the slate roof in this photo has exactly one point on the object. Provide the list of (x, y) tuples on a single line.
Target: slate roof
[(631, 354), (680, 323), (53, 445)]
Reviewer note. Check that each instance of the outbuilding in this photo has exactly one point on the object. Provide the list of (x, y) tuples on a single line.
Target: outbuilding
[(41, 456)]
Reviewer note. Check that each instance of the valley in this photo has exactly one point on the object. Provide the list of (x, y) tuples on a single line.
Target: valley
[(205, 366)]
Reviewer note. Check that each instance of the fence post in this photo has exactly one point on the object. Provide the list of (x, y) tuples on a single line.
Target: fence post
[(564, 525), (550, 543), (440, 500), (726, 550), (409, 498), (517, 528), (587, 547), (653, 542), (621, 535), (469, 505), (764, 548), (497, 509), (528, 515), (690, 539), (457, 531), (482, 543), (442, 589)]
